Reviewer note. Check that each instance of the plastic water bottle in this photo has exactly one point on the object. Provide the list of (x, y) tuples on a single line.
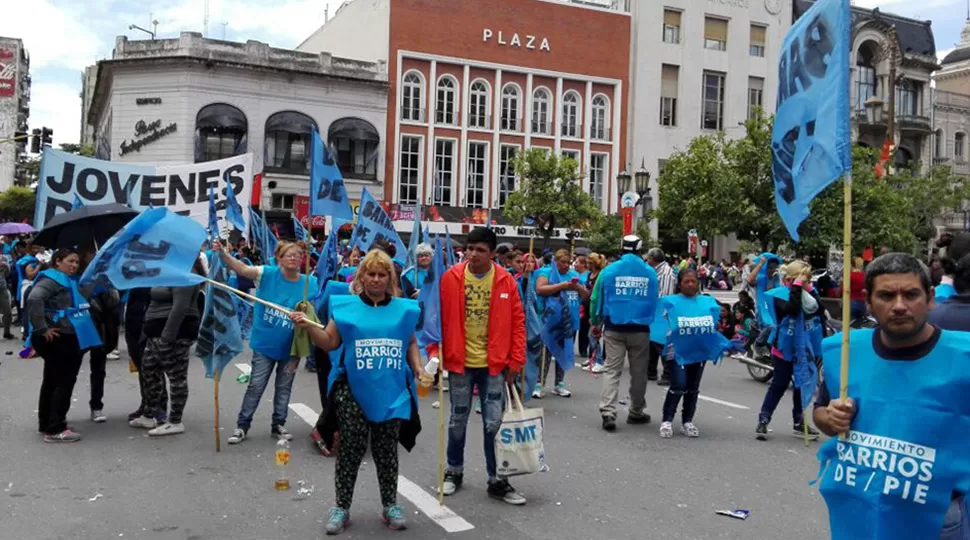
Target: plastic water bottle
[(243, 379), (427, 379), (282, 459)]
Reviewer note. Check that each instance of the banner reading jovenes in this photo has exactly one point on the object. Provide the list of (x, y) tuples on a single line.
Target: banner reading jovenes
[(182, 188)]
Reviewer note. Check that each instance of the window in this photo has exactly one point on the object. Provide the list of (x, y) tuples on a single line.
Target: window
[(281, 201), (570, 114), (670, 76), (540, 112), (288, 142), (908, 98), (865, 76), (506, 173), (757, 47), (571, 154), (445, 104), (939, 144), (444, 171), (959, 147), (713, 115), (756, 90), (715, 34), (478, 106), (600, 126), (410, 170), (356, 143), (411, 97), (220, 132), (671, 26), (475, 190), (510, 107), (597, 176)]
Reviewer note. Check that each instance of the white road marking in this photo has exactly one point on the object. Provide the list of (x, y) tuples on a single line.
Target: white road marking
[(245, 368), (725, 403), (421, 499)]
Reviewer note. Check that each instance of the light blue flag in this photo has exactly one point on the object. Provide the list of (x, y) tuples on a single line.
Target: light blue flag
[(156, 249), (213, 216), (429, 298), (269, 242), (415, 239), (77, 203), (374, 225), (805, 372), (811, 143), (533, 336), (299, 231), (234, 214), (220, 334), (449, 251), (255, 229), (326, 269), (558, 327), (328, 195)]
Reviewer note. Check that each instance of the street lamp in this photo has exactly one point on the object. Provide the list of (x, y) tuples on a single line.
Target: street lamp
[(623, 180), (874, 107), (642, 178)]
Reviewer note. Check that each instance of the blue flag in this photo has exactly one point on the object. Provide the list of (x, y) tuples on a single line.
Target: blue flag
[(234, 214), (373, 225), (156, 249), (415, 239), (255, 229), (533, 336), (269, 242), (220, 334), (77, 203), (559, 326), (429, 298), (328, 195), (811, 143), (327, 266), (213, 217), (805, 372), (299, 231), (448, 249)]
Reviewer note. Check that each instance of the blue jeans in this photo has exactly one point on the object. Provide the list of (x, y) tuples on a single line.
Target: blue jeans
[(259, 378), (491, 393), (685, 381), (956, 524), (784, 370), (595, 349)]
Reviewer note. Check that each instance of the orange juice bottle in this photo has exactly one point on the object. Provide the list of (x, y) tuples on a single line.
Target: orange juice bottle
[(282, 459), (427, 378)]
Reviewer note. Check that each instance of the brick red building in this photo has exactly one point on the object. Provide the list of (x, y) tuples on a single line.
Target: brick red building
[(473, 82)]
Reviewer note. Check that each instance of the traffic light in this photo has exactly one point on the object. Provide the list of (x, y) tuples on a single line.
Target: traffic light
[(35, 141), (45, 136)]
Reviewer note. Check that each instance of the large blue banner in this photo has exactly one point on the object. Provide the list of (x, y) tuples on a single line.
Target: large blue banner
[(220, 334), (328, 195), (374, 225), (811, 144)]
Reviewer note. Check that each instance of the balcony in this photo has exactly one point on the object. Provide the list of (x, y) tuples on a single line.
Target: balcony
[(446, 118), (412, 114), (479, 121), (940, 161), (510, 124), (600, 134), (862, 118), (573, 131), (914, 123), (542, 128)]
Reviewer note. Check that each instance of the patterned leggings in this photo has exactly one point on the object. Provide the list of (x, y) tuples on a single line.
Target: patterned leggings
[(354, 429), (166, 358)]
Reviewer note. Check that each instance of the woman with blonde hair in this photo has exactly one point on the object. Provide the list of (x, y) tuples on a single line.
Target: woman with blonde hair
[(371, 389), (272, 333)]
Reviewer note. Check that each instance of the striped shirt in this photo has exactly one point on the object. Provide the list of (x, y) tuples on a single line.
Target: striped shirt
[(666, 281)]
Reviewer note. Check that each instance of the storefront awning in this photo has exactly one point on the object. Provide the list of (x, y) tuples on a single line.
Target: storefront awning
[(353, 128)]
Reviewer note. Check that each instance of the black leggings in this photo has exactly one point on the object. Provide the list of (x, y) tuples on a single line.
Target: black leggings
[(322, 360), (62, 362)]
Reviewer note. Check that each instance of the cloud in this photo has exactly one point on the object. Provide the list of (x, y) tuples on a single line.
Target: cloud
[(54, 37), (57, 106), (940, 55)]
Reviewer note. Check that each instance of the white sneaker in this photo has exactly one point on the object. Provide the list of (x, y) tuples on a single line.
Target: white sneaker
[(666, 430), (537, 392), (114, 355), (598, 368), (167, 429), (143, 422), (237, 437), (690, 430), (98, 417), (561, 390), (435, 404)]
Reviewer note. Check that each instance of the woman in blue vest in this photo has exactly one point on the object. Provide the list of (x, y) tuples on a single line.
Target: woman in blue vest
[(693, 339), (557, 286), (272, 334), (371, 388), (62, 330)]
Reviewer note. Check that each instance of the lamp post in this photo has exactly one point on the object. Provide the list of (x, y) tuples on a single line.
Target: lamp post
[(628, 201), (636, 193)]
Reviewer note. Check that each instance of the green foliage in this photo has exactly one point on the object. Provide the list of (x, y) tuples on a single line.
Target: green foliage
[(16, 204), (551, 193), (78, 149), (604, 238)]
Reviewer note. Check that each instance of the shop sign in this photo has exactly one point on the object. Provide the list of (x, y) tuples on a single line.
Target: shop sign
[(149, 133), (524, 41)]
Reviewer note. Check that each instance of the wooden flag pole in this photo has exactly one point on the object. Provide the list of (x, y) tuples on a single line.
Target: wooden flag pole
[(846, 275), (216, 425), (532, 241), (306, 254), (441, 434), (259, 300)]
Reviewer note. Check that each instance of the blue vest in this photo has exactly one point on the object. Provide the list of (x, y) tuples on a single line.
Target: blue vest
[(765, 305), (786, 328), (376, 341), (416, 277), (659, 326), (893, 476), (272, 334), (21, 268), (346, 272), (693, 328), (944, 291), (571, 298), (332, 291), (79, 315), (629, 291)]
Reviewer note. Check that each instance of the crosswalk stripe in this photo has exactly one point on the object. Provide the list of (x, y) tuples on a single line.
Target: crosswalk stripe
[(725, 403), (245, 368)]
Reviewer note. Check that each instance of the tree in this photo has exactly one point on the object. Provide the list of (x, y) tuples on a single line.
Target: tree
[(72, 148), (550, 196), (16, 204), (605, 236)]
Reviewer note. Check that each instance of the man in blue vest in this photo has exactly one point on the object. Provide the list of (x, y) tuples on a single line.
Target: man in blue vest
[(624, 302), (901, 469)]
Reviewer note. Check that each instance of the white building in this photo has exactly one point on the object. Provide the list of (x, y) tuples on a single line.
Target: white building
[(951, 122), (699, 66), (212, 99), (14, 106)]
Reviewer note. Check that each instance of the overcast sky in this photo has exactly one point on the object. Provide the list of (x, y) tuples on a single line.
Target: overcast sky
[(64, 36)]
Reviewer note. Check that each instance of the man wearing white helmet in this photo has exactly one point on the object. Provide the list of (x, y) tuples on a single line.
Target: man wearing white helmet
[(622, 307)]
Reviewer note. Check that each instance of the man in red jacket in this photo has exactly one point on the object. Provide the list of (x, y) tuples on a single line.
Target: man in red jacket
[(483, 345)]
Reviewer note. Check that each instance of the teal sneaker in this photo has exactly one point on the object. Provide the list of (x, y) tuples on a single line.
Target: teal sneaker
[(393, 517), (338, 521)]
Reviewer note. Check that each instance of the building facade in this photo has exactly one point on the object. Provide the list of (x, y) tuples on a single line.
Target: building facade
[(89, 79), (210, 99), (951, 120), (475, 82), (14, 107)]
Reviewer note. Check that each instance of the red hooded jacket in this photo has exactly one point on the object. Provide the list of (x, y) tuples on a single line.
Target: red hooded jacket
[(506, 323)]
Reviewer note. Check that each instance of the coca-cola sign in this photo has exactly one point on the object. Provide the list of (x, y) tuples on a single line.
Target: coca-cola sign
[(8, 72)]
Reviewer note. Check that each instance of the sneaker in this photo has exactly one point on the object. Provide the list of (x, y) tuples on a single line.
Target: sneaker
[(319, 442), (338, 520), (561, 390), (143, 422), (167, 429), (135, 414), (761, 432), (281, 433), (393, 517), (114, 355), (690, 430), (8, 336), (238, 436), (98, 417), (503, 491), (435, 404), (641, 418), (452, 483), (584, 365), (537, 392), (798, 430), (66, 436), (598, 368), (666, 430), (478, 407), (609, 423)]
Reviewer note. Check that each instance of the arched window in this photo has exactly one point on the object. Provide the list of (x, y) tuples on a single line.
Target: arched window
[(479, 100), (288, 142), (510, 107), (865, 74), (904, 158), (540, 112), (570, 114), (220, 132), (960, 147), (939, 144), (411, 100), (445, 110), (601, 113), (356, 143)]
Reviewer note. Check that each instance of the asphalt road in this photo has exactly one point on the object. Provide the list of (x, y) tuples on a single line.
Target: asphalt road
[(118, 483)]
